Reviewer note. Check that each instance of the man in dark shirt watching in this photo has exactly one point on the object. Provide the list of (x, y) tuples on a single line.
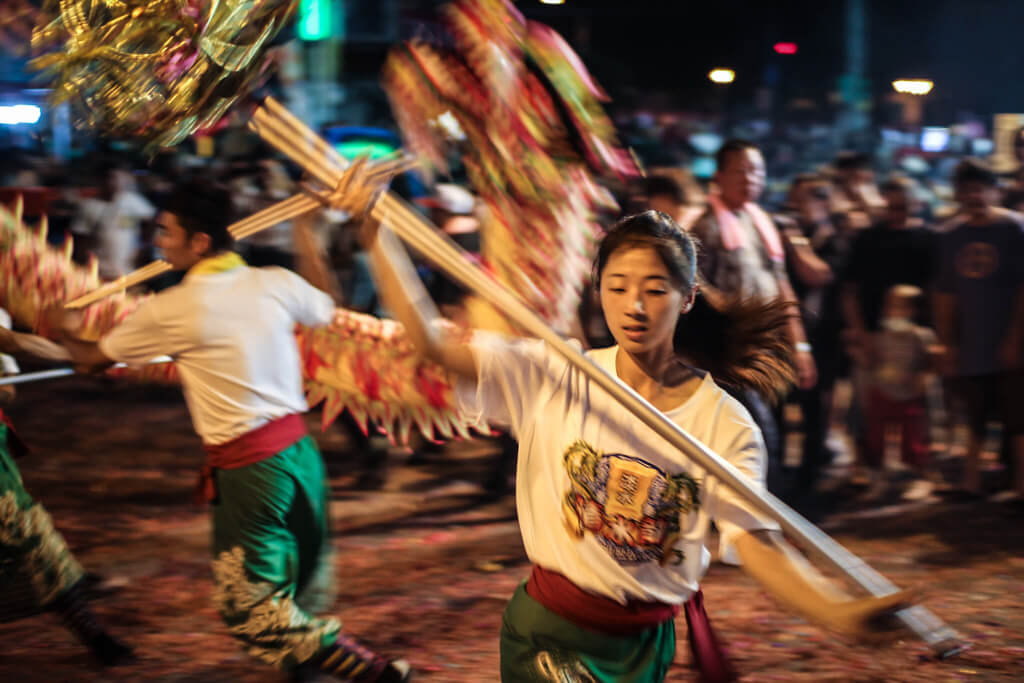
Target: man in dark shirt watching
[(979, 316)]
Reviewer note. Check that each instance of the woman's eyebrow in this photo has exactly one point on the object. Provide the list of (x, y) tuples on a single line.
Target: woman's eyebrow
[(646, 277)]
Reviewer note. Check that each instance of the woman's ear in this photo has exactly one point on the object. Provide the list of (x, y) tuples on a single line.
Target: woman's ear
[(688, 304)]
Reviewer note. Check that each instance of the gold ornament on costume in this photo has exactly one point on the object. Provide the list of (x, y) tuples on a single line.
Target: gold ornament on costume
[(155, 69), (358, 363)]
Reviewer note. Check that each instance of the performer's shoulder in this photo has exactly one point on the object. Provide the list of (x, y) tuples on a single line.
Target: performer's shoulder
[(275, 274), (715, 397), (603, 357), (166, 295)]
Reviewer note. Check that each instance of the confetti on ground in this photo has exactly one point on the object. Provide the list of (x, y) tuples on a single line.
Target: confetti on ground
[(425, 574)]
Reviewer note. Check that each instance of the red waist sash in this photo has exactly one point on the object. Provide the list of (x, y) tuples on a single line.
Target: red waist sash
[(248, 449), (604, 615), (594, 612)]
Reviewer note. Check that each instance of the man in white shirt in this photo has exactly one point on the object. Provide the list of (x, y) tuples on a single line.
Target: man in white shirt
[(114, 221), (230, 328)]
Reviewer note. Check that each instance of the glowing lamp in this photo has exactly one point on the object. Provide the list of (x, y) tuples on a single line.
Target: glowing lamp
[(913, 86), (17, 114), (722, 75)]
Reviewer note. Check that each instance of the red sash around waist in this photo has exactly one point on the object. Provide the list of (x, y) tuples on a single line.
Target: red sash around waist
[(248, 449), (604, 615), (593, 612)]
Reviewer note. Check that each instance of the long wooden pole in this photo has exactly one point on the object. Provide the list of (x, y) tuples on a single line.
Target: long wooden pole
[(283, 210), (26, 377), (280, 129)]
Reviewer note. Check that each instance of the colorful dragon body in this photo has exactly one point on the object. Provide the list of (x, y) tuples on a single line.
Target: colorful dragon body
[(156, 69), (535, 137), (358, 363), (531, 134)]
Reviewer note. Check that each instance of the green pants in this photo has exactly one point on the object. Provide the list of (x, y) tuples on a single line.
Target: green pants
[(272, 563), (538, 646), (33, 554)]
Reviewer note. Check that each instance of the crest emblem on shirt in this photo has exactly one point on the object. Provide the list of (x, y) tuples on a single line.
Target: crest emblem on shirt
[(629, 505), (977, 260)]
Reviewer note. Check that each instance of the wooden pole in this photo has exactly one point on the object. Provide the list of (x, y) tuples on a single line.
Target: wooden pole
[(276, 126)]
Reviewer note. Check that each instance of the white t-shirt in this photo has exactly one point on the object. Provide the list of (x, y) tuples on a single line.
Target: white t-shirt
[(232, 336), (601, 497), (116, 224)]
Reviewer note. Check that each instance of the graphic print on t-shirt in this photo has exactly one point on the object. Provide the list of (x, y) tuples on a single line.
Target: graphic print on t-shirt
[(977, 260), (630, 506)]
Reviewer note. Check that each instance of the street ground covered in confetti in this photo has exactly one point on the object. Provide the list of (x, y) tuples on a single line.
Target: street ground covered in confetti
[(426, 561)]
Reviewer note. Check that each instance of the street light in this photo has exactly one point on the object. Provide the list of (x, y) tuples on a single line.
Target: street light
[(910, 93), (722, 75), (913, 86), (17, 114)]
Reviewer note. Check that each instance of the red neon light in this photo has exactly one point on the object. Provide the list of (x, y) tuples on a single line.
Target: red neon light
[(785, 48)]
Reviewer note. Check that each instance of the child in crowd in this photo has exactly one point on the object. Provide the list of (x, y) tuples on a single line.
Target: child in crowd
[(904, 353)]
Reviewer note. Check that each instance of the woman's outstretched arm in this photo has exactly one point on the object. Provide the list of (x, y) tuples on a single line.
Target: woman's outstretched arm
[(793, 581), (401, 290), (407, 299)]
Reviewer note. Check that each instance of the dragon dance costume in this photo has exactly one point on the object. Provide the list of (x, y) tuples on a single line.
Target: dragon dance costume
[(229, 329), (33, 555), (38, 572), (535, 135)]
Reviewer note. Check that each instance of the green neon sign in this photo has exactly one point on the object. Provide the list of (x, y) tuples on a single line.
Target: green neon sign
[(353, 148), (317, 19)]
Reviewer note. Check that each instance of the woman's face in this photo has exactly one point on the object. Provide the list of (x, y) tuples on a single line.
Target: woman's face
[(641, 305)]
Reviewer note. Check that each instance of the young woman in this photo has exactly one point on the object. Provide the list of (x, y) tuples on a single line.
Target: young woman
[(613, 518)]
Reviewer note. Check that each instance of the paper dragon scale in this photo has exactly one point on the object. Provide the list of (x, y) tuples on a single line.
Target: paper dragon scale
[(531, 133), (516, 105), (155, 69), (358, 363)]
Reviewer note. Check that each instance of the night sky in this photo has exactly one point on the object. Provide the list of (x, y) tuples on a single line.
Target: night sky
[(972, 49)]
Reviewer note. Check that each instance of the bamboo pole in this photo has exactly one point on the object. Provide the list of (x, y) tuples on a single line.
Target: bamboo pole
[(283, 210), (26, 377), (292, 138), (272, 215), (122, 283)]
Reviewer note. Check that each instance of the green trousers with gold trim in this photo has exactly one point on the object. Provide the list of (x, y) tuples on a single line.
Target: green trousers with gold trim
[(272, 562), (538, 646), (36, 565)]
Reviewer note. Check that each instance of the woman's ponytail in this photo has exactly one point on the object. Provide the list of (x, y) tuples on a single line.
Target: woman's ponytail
[(744, 343)]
